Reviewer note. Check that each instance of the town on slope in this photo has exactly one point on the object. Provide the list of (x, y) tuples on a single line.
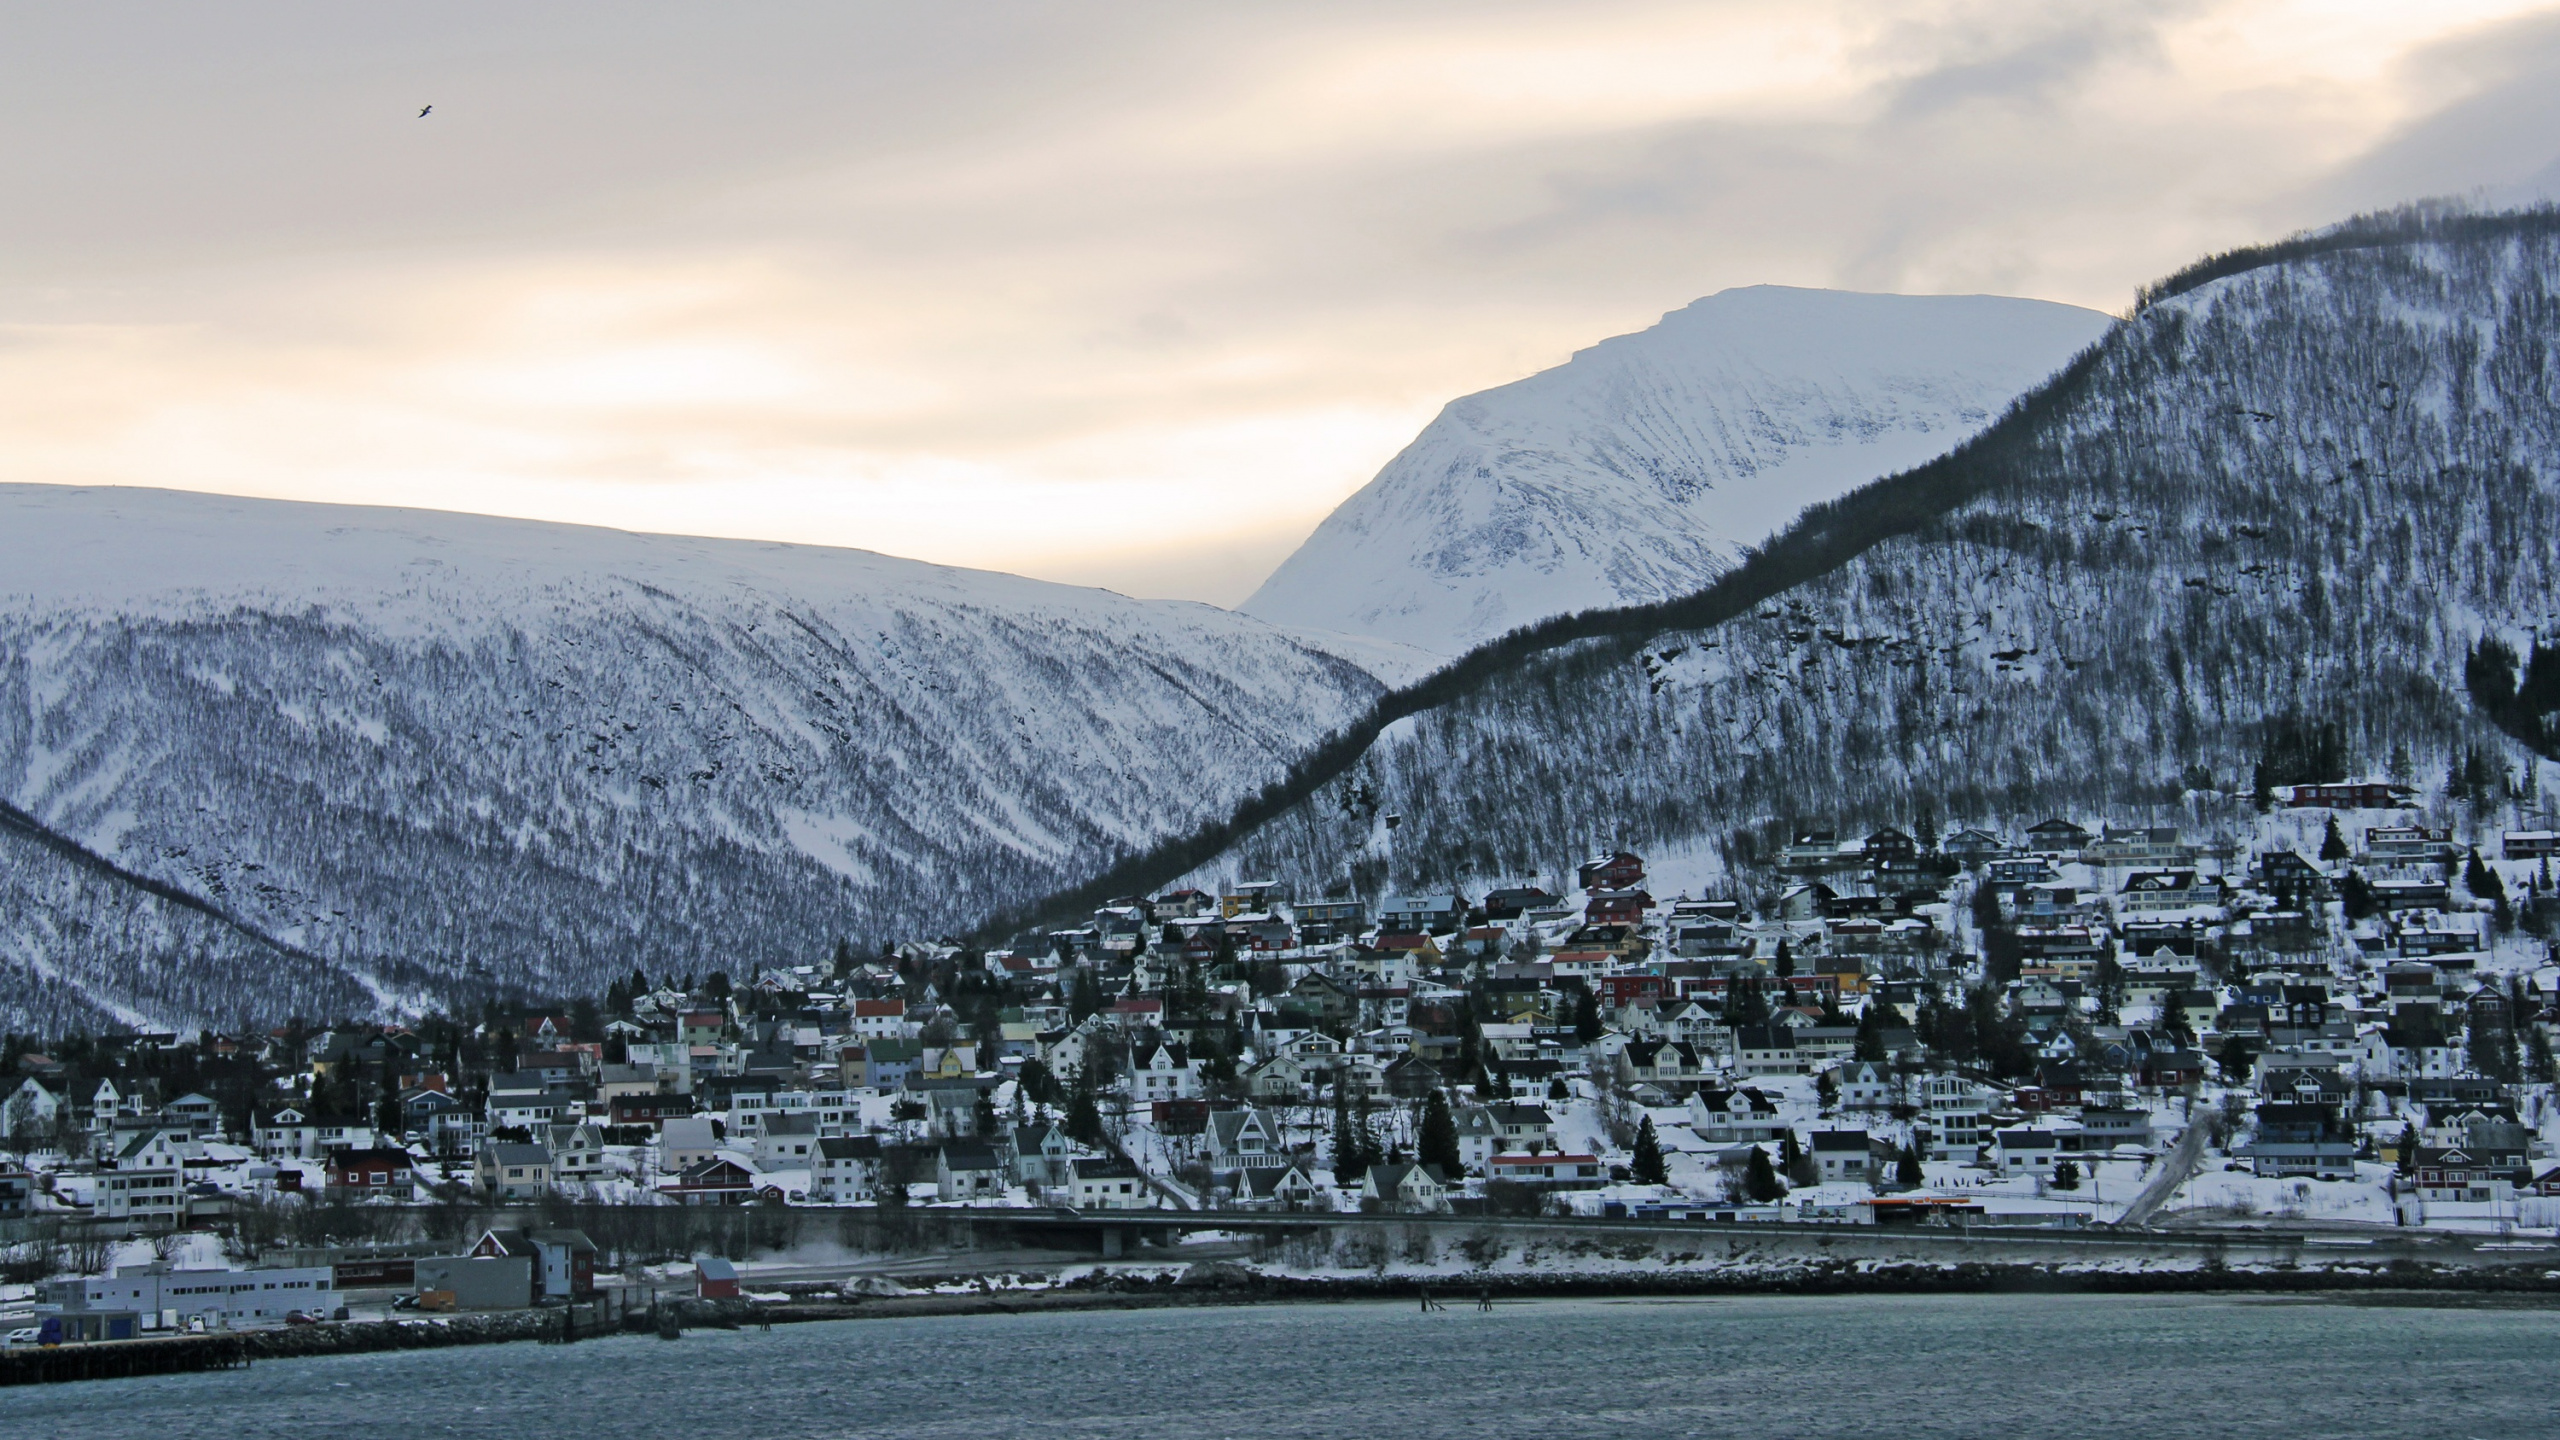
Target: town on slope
[(2342, 1018)]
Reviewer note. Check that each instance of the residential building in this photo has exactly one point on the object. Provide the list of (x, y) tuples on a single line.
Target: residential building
[(564, 1261), (1402, 1187), (508, 1170), (1111, 1184), (844, 1170)]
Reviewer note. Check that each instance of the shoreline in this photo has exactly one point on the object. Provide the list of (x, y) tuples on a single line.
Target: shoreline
[(2409, 1283), (1844, 1279)]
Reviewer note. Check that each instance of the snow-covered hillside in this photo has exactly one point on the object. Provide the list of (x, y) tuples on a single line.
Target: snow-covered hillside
[(370, 754), (1640, 468), (2294, 496)]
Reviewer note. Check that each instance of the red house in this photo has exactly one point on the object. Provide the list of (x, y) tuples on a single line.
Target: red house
[(2353, 795), (1181, 1117), (1620, 871), (1622, 990), (355, 1173), (1617, 907), (652, 1110)]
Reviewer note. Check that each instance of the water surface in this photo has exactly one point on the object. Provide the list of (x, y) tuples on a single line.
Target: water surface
[(1550, 1370)]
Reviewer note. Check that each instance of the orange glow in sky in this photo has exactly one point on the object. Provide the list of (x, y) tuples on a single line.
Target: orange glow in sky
[(1124, 294)]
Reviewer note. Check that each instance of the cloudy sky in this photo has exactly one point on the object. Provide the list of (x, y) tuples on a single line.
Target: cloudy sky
[(1118, 293)]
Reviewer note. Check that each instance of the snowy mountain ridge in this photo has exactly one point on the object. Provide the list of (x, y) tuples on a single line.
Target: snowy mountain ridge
[(2295, 490), (1642, 467), (381, 754)]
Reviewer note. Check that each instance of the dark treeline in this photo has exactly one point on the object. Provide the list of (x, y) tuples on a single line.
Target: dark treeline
[(2402, 225), (2521, 695)]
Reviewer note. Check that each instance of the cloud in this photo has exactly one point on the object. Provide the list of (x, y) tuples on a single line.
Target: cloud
[(1117, 292), (2497, 135)]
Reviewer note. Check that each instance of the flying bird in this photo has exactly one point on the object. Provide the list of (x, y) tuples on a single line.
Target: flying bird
[(423, 113)]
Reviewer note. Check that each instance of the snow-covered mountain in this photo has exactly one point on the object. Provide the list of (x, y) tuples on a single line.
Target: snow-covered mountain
[(1640, 468), (262, 758), (2289, 497)]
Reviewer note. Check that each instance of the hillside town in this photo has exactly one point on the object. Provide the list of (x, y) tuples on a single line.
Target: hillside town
[(2347, 1019)]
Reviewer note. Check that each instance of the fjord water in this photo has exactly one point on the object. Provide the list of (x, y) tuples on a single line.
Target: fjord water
[(1908, 1367)]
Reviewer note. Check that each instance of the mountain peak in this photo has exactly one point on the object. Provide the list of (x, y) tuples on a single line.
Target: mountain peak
[(1641, 467)]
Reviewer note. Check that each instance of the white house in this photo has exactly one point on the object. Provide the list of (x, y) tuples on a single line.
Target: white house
[(287, 1134), (521, 1105), (685, 1141), (1958, 1109), (1168, 1072), (1842, 1156), (1112, 1185), (1865, 1085), (1415, 1188), (2026, 1152), (31, 1110), (509, 1171), (844, 1169), (143, 1180), (787, 1141), (1244, 1140)]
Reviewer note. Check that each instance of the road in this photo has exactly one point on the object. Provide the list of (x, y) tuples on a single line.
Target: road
[(2176, 1168)]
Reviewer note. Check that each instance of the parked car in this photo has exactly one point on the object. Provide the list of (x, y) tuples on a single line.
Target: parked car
[(23, 1335)]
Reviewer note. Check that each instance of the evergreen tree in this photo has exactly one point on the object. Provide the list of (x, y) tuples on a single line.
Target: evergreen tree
[(387, 1116), (1743, 1004), (1084, 1113), (1586, 1018), (2408, 1158), (1906, 1166), (1985, 908), (1760, 1183), (2480, 880), (1364, 1131), (1793, 1159), (1348, 1163), (1649, 1169), (1871, 1028), (1436, 1138), (2237, 1059), (2484, 884), (1826, 1089), (2066, 1175), (2491, 1044), (1784, 965), (2172, 1024), (2333, 845), (2537, 1056)]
